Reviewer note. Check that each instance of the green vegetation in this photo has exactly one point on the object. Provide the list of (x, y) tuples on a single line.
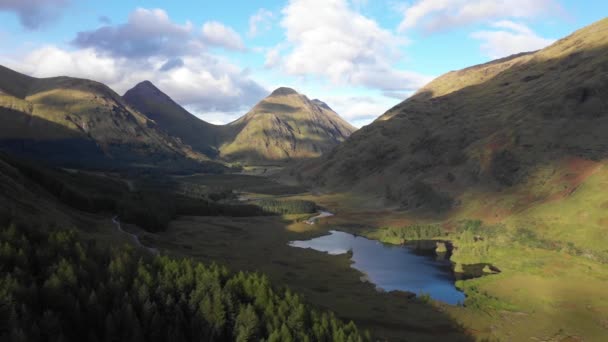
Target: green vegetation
[(153, 211), (151, 208), (237, 182), (261, 244), (473, 241), (193, 207), (412, 232), (287, 206), (74, 191), (261, 241), (441, 247), (56, 287)]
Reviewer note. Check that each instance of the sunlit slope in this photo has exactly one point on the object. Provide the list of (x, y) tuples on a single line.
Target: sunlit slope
[(174, 119), (71, 119), (527, 126), (285, 125)]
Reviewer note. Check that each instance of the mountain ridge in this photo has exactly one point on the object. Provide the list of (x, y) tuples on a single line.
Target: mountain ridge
[(284, 126), (79, 122), (493, 127)]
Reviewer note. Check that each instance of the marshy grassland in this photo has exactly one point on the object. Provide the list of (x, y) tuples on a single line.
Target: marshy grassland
[(551, 284)]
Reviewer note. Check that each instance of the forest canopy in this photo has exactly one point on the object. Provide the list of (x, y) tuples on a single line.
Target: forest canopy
[(55, 286)]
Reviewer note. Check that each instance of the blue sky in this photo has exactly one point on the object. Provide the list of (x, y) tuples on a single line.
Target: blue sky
[(218, 58)]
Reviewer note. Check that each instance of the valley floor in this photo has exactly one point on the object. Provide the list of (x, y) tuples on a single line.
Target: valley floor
[(540, 294)]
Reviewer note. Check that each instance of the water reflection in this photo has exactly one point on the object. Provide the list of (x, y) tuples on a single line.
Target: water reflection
[(392, 267)]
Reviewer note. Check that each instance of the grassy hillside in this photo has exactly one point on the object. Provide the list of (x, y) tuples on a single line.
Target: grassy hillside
[(285, 126), (79, 122), (532, 124)]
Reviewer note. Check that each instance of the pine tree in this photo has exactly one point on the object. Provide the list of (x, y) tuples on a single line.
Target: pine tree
[(246, 325)]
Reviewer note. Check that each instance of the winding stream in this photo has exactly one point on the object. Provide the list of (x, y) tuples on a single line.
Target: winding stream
[(133, 236), (321, 214)]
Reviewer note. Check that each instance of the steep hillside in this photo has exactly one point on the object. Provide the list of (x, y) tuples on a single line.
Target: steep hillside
[(78, 122), (285, 125), (491, 139), (174, 119)]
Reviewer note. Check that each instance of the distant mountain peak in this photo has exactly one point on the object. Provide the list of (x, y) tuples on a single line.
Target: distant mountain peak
[(146, 86), (147, 89), (285, 125), (283, 91), (145, 83), (173, 118)]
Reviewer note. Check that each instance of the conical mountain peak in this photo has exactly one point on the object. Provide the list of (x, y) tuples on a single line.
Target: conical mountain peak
[(146, 88), (173, 118), (145, 84)]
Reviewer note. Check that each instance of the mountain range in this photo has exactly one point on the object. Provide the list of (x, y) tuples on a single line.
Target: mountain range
[(285, 125), (77, 122)]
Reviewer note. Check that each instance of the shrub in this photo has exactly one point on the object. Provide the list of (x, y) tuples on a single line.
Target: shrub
[(413, 232), (287, 207)]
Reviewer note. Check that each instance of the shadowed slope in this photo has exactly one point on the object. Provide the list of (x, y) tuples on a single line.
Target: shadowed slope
[(70, 111), (174, 119), (490, 127)]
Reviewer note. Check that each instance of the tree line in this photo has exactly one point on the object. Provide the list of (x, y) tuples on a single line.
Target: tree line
[(411, 232), (151, 209), (287, 206)]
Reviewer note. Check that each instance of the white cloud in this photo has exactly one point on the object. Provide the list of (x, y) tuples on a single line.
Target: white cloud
[(204, 82), (359, 110), (150, 46), (260, 21), (330, 40), (218, 118), (50, 61), (273, 57), (147, 32), (509, 38), (435, 15), (216, 33)]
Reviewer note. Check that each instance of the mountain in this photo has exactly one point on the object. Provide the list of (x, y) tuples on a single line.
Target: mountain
[(79, 122), (284, 126), (174, 119), (489, 140)]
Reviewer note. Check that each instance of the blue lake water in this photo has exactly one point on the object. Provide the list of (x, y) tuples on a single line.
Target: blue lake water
[(390, 267)]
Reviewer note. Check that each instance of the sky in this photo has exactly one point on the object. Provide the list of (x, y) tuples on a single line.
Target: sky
[(219, 58)]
